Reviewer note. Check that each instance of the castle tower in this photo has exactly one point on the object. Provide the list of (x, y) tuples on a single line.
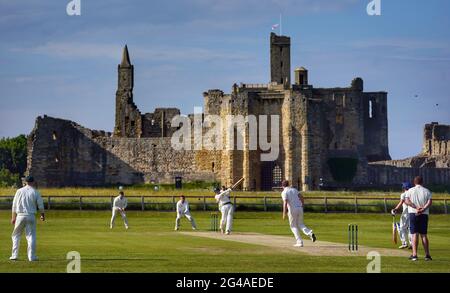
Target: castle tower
[(128, 117), (301, 76), (280, 59)]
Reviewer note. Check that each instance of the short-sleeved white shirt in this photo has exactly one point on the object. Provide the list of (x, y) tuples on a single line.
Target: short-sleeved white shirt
[(291, 195), (419, 196)]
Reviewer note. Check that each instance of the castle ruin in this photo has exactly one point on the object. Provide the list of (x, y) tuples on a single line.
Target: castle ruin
[(329, 138)]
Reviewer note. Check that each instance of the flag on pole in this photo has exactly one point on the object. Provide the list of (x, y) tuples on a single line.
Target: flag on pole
[(275, 26)]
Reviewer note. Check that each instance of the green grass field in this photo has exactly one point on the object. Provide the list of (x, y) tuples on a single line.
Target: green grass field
[(151, 245)]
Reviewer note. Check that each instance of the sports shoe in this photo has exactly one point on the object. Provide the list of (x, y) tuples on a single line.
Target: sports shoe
[(428, 258), (194, 228), (176, 229), (403, 246), (228, 232), (13, 258), (413, 257), (126, 227), (34, 259), (298, 244), (313, 237)]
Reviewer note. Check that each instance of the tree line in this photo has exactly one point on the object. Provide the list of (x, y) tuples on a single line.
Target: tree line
[(13, 160)]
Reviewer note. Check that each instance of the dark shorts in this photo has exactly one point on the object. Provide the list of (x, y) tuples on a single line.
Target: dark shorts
[(418, 223)]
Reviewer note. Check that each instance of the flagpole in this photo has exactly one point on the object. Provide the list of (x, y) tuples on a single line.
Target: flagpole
[(281, 26)]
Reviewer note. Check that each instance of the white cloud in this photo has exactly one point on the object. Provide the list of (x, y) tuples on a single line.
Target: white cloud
[(114, 51), (274, 6), (400, 43)]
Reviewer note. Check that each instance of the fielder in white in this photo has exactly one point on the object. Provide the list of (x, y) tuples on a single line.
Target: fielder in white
[(293, 206), (26, 201), (226, 208), (405, 236), (183, 210), (119, 206)]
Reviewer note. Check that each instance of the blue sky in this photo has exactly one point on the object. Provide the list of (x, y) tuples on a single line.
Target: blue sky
[(66, 66)]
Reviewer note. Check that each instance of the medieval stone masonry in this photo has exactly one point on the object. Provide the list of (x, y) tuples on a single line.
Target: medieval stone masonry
[(329, 138)]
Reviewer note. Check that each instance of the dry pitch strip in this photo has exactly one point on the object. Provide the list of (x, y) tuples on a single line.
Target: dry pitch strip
[(285, 243)]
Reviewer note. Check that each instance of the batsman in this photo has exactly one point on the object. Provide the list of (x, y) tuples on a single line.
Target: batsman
[(405, 236), (226, 207)]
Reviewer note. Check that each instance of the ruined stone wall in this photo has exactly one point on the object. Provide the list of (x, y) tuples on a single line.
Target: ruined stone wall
[(63, 153), (436, 140), (212, 101), (374, 109), (342, 110), (158, 123), (233, 161), (291, 123), (435, 150), (385, 175), (128, 116)]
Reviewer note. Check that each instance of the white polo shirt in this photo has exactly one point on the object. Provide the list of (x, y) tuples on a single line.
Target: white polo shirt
[(419, 196), (291, 195)]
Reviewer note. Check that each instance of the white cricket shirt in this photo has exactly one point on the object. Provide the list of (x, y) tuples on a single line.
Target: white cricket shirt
[(182, 207), (291, 195), (120, 202), (27, 200), (223, 197)]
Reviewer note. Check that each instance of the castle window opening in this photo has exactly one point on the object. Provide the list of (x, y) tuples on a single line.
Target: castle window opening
[(213, 167), (370, 109), (54, 135), (276, 175), (56, 159), (153, 122)]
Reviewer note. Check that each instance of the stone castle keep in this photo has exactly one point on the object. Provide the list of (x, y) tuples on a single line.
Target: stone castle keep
[(329, 137)]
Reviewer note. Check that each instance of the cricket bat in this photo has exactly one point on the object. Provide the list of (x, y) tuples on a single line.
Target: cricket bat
[(237, 183), (394, 230)]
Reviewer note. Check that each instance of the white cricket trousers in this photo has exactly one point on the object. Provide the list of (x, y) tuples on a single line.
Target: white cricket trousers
[(403, 230), (27, 223), (114, 214), (226, 222), (296, 223), (188, 216)]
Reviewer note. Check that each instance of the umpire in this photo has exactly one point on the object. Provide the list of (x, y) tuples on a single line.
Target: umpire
[(419, 201)]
